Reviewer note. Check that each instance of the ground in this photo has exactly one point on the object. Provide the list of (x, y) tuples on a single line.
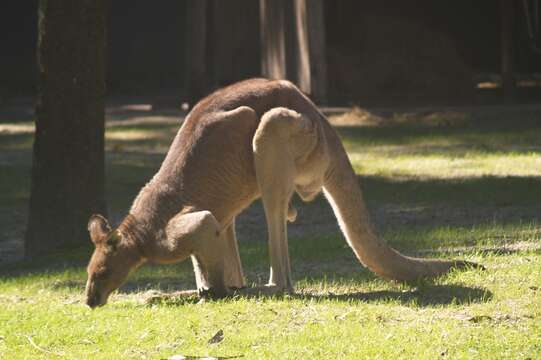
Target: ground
[(442, 184)]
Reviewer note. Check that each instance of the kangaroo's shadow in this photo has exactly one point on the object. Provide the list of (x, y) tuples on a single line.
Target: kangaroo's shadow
[(425, 296)]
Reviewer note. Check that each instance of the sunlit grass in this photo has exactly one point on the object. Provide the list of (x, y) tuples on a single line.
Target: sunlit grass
[(492, 314), (445, 152), (440, 166), (134, 134)]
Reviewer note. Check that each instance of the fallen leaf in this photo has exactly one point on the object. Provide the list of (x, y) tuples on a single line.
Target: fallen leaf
[(217, 338)]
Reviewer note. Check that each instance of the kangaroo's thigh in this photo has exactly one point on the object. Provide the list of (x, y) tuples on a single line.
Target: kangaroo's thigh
[(283, 145)]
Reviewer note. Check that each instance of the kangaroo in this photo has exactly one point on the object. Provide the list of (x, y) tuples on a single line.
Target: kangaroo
[(254, 139)]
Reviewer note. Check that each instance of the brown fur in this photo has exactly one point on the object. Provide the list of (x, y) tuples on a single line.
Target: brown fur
[(257, 138)]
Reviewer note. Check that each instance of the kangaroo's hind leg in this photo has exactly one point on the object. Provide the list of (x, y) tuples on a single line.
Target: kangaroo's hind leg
[(282, 140)]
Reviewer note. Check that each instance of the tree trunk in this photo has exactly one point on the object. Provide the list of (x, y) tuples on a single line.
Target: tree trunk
[(68, 163), (316, 44), (196, 50), (293, 43), (273, 46), (301, 73), (235, 36), (223, 42)]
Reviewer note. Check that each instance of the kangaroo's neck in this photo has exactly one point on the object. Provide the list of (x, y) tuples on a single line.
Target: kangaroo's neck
[(134, 235), (157, 202), (150, 242)]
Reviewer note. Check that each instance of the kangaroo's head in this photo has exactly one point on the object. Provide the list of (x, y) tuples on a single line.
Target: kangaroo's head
[(113, 259)]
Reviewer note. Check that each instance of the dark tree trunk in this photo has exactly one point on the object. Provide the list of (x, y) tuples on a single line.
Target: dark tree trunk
[(291, 40), (68, 164), (196, 50), (234, 41), (273, 42), (293, 43), (308, 44), (300, 72), (315, 21), (223, 41)]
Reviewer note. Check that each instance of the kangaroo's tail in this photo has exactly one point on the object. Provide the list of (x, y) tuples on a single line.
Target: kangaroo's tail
[(342, 190)]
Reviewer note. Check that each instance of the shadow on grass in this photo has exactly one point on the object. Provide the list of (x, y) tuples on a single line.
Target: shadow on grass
[(133, 286), (482, 191), (425, 296), (167, 289), (429, 295)]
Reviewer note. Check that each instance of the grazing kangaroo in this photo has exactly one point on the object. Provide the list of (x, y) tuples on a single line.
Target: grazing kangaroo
[(255, 139)]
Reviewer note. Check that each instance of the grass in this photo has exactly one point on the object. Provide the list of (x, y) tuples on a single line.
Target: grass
[(468, 191)]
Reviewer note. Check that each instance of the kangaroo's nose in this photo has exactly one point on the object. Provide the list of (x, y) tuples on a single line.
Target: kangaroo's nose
[(93, 300)]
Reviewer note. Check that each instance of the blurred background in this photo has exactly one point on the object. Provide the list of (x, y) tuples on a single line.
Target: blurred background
[(373, 53)]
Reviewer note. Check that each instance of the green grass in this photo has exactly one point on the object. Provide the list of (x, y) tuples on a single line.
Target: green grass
[(492, 314), (465, 191)]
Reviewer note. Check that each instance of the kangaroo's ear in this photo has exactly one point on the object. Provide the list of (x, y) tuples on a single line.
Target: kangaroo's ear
[(98, 227)]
